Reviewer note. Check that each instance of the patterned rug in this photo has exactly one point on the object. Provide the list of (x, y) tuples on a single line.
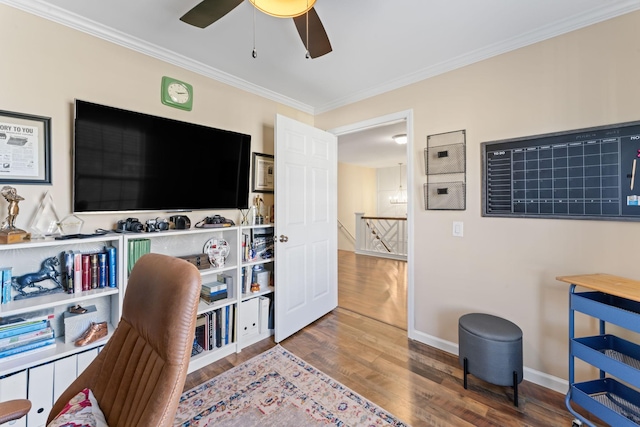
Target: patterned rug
[(276, 388)]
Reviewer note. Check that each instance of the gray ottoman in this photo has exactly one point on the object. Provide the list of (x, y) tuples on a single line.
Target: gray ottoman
[(490, 348)]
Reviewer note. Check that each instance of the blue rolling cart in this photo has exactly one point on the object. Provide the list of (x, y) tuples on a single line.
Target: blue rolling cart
[(612, 300)]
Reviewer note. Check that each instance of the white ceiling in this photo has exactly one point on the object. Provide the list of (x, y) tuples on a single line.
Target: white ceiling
[(378, 45)]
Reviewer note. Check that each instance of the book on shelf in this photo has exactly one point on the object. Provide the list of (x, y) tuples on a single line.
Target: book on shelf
[(94, 270), (90, 270), (225, 278), (201, 321), (102, 270), (22, 327), (5, 283), (26, 338), (215, 291), (27, 349), (227, 319), (112, 266), (68, 272), (77, 272), (218, 314), (86, 272), (137, 248), (211, 318)]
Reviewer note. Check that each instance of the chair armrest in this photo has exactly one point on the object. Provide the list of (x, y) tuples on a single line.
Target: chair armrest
[(13, 409)]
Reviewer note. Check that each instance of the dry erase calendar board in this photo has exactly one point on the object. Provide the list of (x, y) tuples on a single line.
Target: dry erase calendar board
[(589, 173)]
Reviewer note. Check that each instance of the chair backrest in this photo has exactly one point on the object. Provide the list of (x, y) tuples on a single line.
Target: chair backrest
[(139, 375)]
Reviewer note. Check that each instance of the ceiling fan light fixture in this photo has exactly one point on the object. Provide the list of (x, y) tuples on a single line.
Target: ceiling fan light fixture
[(400, 139), (283, 8)]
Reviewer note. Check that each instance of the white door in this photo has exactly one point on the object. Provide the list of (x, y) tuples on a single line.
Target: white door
[(306, 275)]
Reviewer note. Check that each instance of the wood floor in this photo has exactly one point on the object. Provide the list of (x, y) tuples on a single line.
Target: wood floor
[(374, 287), (417, 383)]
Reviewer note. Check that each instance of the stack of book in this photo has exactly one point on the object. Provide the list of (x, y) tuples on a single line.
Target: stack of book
[(215, 291), (20, 336), (91, 270)]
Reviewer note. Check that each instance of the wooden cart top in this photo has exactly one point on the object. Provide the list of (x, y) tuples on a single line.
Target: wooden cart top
[(607, 283)]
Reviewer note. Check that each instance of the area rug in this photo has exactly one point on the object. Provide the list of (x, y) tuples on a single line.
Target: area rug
[(276, 388)]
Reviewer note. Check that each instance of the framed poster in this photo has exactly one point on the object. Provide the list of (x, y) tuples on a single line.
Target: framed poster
[(263, 177), (25, 149)]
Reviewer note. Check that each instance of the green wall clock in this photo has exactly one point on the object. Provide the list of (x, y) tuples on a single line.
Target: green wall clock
[(176, 93)]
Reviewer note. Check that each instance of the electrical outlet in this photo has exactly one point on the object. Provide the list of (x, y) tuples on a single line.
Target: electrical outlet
[(458, 228)]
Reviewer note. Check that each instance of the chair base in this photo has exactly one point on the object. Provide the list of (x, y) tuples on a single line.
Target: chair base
[(465, 365)]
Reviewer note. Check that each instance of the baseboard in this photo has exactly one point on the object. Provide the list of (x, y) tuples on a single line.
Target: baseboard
[(531, 375)]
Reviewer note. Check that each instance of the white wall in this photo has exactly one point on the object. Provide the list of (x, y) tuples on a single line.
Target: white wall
[(356, 193), (389, 181)]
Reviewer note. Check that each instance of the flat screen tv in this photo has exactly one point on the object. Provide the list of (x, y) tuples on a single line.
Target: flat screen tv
[(127, 161)]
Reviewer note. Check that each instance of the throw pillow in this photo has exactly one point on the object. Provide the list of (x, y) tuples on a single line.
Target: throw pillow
[(81, 411)]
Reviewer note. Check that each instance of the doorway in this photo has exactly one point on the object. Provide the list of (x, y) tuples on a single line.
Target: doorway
[(371, 286)]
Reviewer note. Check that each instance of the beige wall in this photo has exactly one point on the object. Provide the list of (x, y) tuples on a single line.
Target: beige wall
[(508, 266), (47, 65), (356, 193)]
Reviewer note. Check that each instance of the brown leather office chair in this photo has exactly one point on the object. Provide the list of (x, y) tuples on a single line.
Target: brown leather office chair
[(139, 375)]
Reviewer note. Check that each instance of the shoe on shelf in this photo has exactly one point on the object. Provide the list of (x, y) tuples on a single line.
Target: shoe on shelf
[(94, 332), (76, 309)]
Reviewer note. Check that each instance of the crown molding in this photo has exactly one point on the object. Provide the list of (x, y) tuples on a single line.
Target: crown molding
[(96, 29), (549, 31)]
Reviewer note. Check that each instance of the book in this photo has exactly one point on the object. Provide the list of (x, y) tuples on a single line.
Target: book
[(212, 332), (227, 279), (5, 284), (26, 338), (102, 270), (94, 270), (77, 272), (218, 314), (112, 270), (86, 272), (200, 330), (32, 346), (68, 271), (226, 325), (23, 327)]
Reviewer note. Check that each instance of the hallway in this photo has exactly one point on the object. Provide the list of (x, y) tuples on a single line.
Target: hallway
[(373, 287)]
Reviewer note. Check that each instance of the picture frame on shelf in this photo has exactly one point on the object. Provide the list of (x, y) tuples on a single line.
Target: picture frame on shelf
[(263, 177), (25, 140)]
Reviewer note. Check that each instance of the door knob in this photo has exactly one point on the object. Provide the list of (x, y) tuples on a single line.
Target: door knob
[(284, 238)]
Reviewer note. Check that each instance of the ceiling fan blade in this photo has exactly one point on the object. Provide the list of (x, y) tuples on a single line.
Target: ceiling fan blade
[(318, 40), (209, 11)]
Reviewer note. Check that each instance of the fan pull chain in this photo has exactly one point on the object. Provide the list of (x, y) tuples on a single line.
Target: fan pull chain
[(307, 54), (254, 53)]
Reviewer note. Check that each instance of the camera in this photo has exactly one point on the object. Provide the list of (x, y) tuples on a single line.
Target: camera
[(158, 224), (129, 224), (216, 219), (180, 222)]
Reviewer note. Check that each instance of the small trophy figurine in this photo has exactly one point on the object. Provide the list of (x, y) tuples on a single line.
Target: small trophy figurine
[(8, 231)]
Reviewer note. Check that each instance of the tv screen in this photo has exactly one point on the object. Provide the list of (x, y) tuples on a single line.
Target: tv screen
[(128, 161)]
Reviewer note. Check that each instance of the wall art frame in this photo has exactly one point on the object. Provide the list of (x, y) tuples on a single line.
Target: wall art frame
[(263, 177), (25, 148)]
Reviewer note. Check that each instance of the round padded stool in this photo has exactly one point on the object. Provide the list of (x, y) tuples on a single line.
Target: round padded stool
[(490, 348)]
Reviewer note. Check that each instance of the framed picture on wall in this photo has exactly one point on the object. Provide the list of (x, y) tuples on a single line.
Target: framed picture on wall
[(25, 149), (263, 177)]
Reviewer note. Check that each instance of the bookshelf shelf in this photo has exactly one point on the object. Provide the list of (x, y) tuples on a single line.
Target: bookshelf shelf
[(269, 290), (193, 241), (25, 258)]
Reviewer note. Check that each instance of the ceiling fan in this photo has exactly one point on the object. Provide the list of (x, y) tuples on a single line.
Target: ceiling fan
[(308, 24)]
